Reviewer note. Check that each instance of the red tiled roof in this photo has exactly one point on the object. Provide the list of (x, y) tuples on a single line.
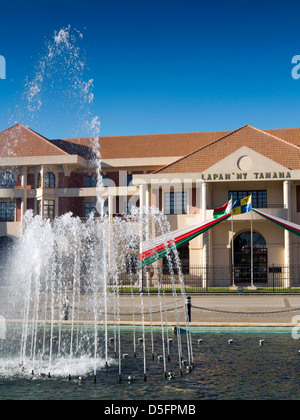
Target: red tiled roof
[(292, 135), (276, 149), (20, 141), (164, 145), (151, 145)]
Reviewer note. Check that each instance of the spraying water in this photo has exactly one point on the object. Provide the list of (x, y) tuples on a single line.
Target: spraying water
[(70, 260), (67, 274)]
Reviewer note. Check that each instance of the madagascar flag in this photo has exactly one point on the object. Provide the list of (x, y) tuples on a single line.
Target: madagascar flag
[(285, 224), (225, 209), (156, 248)]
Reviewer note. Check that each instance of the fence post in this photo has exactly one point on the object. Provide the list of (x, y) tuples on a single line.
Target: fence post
[(189, 308), (273, 278)]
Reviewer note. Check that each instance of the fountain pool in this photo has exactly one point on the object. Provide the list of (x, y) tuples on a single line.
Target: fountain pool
[(241, 370)]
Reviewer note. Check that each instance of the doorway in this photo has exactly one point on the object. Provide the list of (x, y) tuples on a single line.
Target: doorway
[(242, 258)]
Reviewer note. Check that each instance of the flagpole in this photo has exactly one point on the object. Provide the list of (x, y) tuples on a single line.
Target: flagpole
[(252, 279), (232, 246)]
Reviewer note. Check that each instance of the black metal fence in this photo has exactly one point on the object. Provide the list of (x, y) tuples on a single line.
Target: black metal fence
[(217, 279)]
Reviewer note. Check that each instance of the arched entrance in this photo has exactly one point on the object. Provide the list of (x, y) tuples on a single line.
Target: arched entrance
[(242, 258)]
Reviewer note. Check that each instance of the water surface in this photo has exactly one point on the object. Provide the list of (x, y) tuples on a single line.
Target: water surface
[(241, 370)]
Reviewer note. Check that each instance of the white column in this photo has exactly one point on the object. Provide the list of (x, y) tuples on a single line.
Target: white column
[(111, 206), (205, 236), (147, 197), (142, 198), (143, 204), (123, 198), (203, 200), (287, 235), (24, 190), (40, 195)]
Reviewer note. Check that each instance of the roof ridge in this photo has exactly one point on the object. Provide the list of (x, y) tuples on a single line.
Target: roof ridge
[(43, 138), (9, 128), (154, 134), (275, 137), (198, 150), (222, 138)]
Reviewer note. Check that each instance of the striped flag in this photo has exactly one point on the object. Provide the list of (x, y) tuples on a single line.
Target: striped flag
[(225, 209), (156, 248), (291, 227)]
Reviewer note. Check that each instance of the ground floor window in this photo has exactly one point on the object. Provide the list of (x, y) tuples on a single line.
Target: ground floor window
[(106, 208), (7, 211), (242, 258), (6, 244), (6, 250), (49, 209), (38, 207), (132, 264), (130, 205), (89, 208)]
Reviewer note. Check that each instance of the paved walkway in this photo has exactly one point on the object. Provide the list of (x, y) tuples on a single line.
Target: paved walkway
[(237, 309), (227, 310), (254, 309)]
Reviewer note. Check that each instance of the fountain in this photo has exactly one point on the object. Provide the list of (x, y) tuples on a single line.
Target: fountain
[(66, 277), (66, 282)]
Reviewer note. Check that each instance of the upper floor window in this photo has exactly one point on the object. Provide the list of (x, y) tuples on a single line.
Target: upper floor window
[(259, 197), (107, 182), (129, 180), (49, 180), (39, 181), (176, 203), (90, 182), (7, 180)]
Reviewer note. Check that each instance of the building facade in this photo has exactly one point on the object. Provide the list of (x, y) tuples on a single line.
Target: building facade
[(185, 175)]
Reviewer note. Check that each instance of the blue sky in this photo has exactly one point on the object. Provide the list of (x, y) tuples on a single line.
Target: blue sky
[(162, 66)]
